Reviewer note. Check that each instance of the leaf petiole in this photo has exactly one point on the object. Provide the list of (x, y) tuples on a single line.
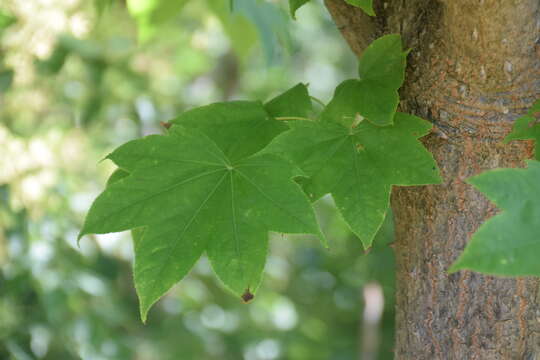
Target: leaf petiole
[(284, 118)]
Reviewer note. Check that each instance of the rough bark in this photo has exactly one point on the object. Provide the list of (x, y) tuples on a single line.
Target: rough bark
[(474, 68)]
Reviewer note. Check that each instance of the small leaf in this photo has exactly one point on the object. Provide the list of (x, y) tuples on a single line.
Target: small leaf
[(527, 127), (359, 164), (190, 196), (366, 5), (295, 102), (374, 96), (295, 5), (509, 243)]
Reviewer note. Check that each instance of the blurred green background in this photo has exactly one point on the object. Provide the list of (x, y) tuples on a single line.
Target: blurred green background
[(77, 79)]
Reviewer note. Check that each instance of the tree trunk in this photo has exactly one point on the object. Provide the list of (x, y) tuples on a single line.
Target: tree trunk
[(473, 69)]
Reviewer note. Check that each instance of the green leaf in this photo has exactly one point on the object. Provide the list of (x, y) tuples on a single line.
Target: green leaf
[(271, 23), (295, 102), (118, 174), (6, 20), (6, 79), (55, 62), (366, 5), (527, 127), (374, 96), (232, 125), (102, 5), (191, 195), (295, 5), (150, 14), (242, 32), (358, 164), (509, 243)]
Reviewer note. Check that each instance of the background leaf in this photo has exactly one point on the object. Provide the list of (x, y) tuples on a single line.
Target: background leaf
[(295, 5), (509, 243), (6, 79), (240, 30), (150, 14), (366, 5), (527, 127), (271, 23)]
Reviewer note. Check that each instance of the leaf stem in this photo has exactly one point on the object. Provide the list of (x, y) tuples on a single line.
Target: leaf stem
[(291, 118), (318, 101)]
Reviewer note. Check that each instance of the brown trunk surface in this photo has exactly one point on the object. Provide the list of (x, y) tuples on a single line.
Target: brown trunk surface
[(474, 68)]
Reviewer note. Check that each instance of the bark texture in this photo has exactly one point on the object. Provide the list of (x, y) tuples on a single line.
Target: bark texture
[(474, 68)]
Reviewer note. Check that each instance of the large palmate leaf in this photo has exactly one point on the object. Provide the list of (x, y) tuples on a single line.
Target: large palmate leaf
[(374, 96), (508, 243), (527, 127), (196, 190), (358, 163)]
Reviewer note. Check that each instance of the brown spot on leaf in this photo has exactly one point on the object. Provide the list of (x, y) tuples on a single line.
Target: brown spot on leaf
[(247, 296), (166, 125)]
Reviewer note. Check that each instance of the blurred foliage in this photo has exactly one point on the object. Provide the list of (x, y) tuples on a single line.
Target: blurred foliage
[(240, 19), (75, 82)]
